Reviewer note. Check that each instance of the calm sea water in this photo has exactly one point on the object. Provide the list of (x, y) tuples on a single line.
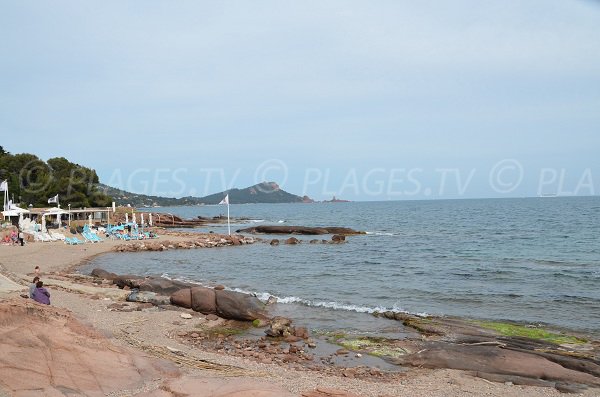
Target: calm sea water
[(535, 260)]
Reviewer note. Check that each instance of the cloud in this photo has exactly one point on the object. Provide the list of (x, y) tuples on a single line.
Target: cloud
[(313, 80)]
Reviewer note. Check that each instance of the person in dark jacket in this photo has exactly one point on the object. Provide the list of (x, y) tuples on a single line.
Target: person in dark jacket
[(41, 294)]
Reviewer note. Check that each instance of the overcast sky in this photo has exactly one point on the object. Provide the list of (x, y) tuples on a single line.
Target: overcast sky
[(367, 100)]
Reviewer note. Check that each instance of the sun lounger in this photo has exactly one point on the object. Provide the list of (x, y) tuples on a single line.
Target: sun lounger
[(45, 237), (92, 237), (96, 238), (57, 236), (87, 237), (73, 241)]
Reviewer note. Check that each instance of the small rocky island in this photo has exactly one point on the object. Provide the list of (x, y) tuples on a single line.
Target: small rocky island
[(304, 230)]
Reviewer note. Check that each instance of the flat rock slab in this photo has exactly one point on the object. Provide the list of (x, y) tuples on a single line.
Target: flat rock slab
[(8, 286), (45, 351), (278, 229), (495, 360)]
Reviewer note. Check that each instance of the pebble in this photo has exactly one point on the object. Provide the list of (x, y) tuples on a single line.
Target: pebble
[(186, 316)]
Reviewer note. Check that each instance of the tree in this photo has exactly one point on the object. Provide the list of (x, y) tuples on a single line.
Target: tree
[(35, 181)]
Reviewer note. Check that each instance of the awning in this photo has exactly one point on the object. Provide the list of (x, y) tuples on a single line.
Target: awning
[(14, 212), (55, 211)]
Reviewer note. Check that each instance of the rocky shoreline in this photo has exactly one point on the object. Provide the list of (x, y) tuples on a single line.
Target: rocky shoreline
[(205, 240), (463, 357), (565, 362)]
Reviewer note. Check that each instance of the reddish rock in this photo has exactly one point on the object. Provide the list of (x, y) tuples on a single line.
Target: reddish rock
[(103, 274), (235, 240), (219, 287), (238, 306), (182, 298), (494, 360), (301, 332), (282, 229), (204, 300), (161, 286), (292, 241), (212, 317), (338, 238), (279, 326), (68, 356), (349, 373), (274, 242)]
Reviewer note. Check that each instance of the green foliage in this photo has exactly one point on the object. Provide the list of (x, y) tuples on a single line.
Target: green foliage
[(33, 181), (508, 329)]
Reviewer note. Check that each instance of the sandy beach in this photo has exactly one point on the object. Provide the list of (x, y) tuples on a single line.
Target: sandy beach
[(146, 338)]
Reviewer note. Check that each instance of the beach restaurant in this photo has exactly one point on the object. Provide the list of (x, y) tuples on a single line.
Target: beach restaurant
[(58, 216)]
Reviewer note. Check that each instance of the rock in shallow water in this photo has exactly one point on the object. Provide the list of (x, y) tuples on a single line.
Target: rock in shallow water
[(238, 306)]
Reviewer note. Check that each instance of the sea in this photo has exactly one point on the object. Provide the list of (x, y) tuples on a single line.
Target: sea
[(529, 260)]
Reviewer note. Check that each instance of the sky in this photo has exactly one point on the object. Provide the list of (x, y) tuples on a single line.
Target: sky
[(364, 100)]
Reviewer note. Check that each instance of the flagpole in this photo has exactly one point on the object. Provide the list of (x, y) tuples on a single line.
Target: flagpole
[(228, 224)]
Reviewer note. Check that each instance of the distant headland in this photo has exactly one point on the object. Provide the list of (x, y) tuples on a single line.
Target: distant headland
[(265, 192)]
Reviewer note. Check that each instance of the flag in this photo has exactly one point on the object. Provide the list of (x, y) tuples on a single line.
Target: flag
[(225, 200), (53, 199), (4, 186)]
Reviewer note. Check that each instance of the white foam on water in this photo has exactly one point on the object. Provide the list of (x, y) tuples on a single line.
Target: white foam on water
[(256, 220), (265, 296), (280, 221), (380, 234)]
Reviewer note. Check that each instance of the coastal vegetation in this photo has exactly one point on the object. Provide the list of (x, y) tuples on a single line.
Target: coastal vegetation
[(33, 181)]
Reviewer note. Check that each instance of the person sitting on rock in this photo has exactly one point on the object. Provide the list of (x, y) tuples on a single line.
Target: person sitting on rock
[(41, 294), (33, 286)]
